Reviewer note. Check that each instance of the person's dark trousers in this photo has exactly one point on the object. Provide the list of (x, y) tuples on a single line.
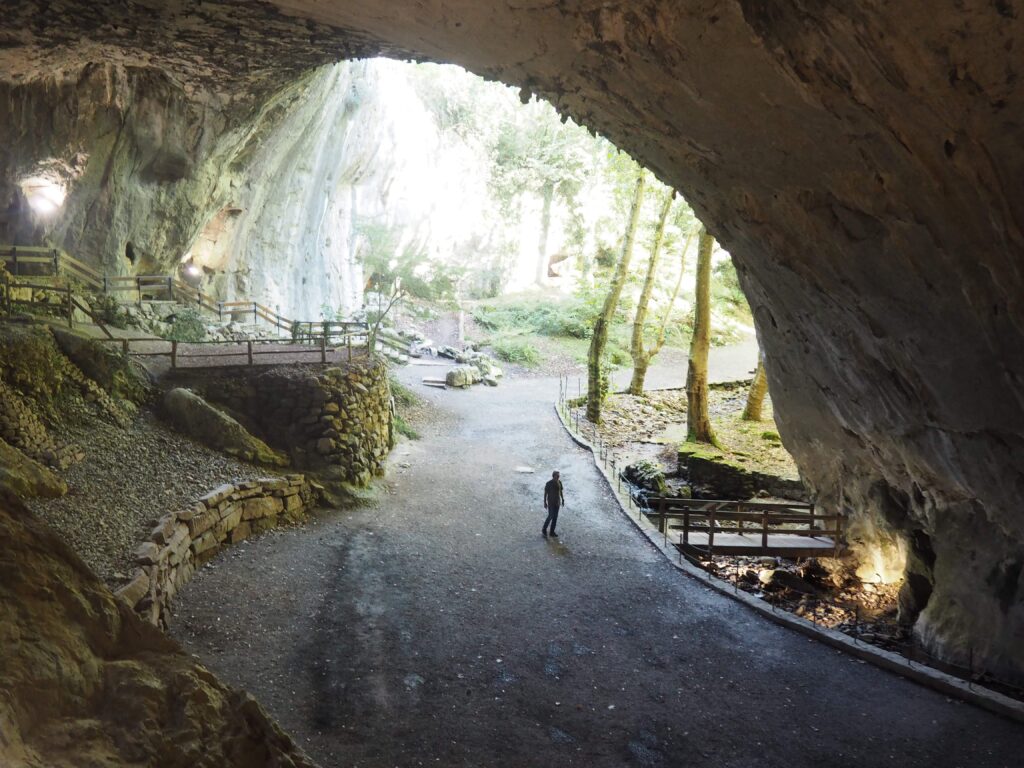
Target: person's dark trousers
[(552, 519)]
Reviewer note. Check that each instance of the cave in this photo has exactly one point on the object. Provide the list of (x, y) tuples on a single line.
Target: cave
[(858, 162)]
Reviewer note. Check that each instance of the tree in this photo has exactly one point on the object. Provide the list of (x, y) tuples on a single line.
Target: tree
[(698, 425), (396, 269), (758, 389), (642, 357), (595, 375)]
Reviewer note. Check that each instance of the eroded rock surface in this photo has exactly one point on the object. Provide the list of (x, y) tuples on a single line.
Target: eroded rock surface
[(83, 681), (860, 162), (192, 415)]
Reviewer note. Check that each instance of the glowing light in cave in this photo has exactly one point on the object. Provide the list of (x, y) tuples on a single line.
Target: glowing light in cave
[(883, 563), (44, 195)]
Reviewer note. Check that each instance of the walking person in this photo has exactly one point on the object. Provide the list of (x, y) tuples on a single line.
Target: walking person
[(554, 499)]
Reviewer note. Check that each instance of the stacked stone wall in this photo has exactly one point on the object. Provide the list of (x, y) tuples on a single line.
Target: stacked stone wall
[(185, 540), (337, 421)]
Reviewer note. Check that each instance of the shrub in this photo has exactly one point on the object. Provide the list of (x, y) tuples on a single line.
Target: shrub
[(513, 350), (109, 311), (187, 325)]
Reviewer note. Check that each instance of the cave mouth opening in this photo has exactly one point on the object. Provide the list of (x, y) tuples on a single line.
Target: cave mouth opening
[(836, 215)]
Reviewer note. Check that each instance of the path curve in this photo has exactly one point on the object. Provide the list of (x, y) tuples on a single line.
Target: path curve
[(437, 627)]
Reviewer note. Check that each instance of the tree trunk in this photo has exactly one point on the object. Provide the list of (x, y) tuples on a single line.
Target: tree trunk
[(698, 425), (755, 397), (604, 320), (548, 195), (641, 359)]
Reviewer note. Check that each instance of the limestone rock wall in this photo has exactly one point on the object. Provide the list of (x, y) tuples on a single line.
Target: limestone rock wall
[(84, 681), (861, 162), (183, 541)]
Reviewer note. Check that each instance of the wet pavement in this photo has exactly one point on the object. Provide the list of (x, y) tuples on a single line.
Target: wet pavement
[(438, 627)]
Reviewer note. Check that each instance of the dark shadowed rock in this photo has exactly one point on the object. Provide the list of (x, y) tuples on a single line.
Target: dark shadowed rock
[(197, 418)]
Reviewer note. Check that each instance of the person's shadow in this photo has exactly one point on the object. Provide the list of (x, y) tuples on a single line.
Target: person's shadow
[(556, 546)]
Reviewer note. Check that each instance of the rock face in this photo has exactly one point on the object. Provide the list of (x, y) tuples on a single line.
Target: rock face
[(860, 162), (96, 685), (22, 477), (195, 417)]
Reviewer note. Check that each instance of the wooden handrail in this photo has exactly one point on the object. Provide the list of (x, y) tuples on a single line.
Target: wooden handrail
[(58, 258)]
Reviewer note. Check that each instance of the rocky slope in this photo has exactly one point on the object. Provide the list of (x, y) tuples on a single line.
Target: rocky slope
[(85, 682), (860, 163)]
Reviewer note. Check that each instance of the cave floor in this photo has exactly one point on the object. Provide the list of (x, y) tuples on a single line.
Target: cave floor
[(436, 626)]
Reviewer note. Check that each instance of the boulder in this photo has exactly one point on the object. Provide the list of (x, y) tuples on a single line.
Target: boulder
[(461, 376), (22, 477), (195, 417)]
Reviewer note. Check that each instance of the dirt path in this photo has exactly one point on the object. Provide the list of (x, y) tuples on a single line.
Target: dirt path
[(439, 628)]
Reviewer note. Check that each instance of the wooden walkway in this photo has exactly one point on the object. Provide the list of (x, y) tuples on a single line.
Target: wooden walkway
[(707, 527)]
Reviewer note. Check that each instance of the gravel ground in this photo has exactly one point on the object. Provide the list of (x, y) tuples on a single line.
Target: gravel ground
[(130, 477), (437, 627)]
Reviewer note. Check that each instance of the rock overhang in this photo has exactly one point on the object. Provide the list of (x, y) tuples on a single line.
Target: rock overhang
[(859, 163)]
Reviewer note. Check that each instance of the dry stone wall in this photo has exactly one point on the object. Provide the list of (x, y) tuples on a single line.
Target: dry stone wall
[(185, 540), (337, 421)]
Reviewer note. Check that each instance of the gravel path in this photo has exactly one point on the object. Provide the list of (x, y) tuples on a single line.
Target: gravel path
[(129, 477), (437, 627)]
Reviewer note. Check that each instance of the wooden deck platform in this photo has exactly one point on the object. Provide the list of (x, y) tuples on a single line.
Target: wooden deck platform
[(778, 544)]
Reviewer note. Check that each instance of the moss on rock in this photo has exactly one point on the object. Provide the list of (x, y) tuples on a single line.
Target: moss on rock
[(195, 417)]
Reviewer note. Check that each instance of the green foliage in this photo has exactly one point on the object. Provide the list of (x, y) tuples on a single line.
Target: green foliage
[(514, 349), (725, 286), (771, 436), (404, 397), (109, 310), (188, 325), (544, 317), (405, 429)]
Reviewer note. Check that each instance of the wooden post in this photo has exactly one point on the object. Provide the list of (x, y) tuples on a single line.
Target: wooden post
[(255, 316), (174, 354), (764, 529), (138, 287), (739, 522), (248, 344), (711, 531), (124, 346), (348, 341), (663, 518), (105, 289), (220, 311), (56, 263), (170, 287), (686, 525), (14, 254), (323, 348), (71, 309)]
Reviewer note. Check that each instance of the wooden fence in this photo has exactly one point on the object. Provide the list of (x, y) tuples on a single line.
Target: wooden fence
[(54, 264), (180, 353)]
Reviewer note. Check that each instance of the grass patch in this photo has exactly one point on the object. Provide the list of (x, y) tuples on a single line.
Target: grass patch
[(405, 429), (513, 349), (404, 397)]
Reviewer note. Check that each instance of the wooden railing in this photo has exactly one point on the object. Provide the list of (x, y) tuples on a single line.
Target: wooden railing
[(9, 296), (180, 352), (54, 263), (710, 517)]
